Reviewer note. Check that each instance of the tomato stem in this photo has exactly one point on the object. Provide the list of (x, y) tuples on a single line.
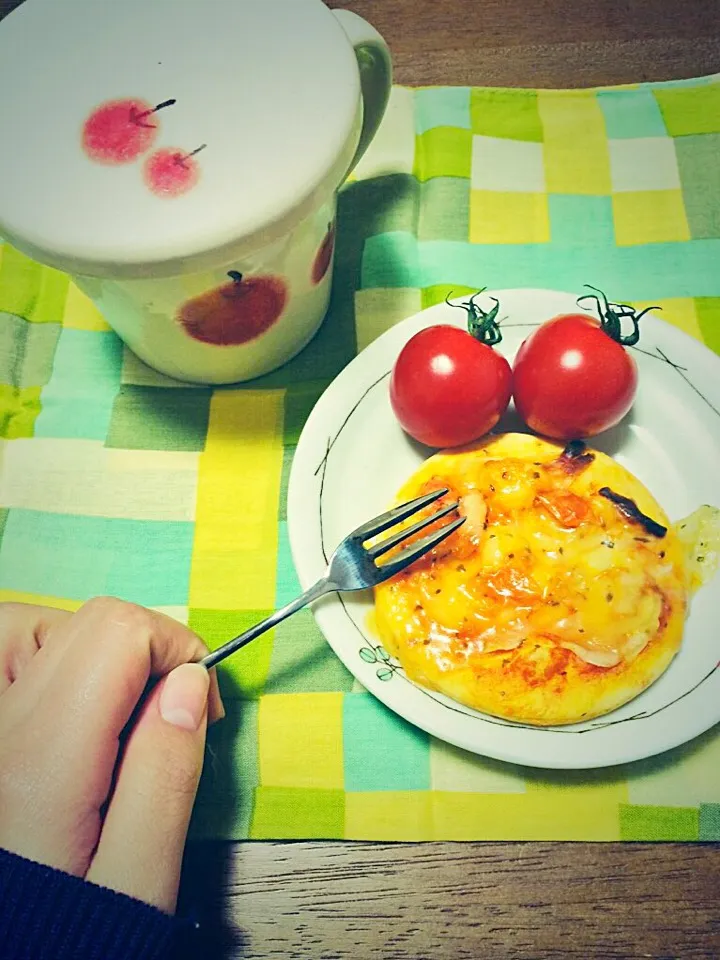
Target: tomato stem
[(482, 324), (612, 315)]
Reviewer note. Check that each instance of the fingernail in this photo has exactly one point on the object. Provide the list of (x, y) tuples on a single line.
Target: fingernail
[(183, 698)]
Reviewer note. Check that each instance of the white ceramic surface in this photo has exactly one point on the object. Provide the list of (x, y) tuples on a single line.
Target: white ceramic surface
[(353, 457), (176, 142)]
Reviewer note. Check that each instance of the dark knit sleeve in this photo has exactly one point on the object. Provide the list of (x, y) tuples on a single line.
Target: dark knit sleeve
[(49, 915)]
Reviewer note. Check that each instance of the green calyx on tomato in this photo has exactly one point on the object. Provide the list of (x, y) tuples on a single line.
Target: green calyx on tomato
[(612, 315), (482, 325), (448, 387)]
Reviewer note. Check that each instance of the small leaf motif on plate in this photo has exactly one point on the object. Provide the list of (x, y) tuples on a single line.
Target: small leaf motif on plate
[(380, 655), (386, 673)]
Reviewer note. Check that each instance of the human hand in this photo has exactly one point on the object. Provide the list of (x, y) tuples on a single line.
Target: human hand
[(71, 796)]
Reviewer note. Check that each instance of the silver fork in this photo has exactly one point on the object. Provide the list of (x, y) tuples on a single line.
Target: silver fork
[(353, 567)]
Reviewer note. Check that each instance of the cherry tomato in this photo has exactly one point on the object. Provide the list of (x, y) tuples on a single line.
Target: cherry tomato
[(447, 388), (573, 379)]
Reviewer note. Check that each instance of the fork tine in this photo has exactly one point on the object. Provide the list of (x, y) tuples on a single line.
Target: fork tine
[(410, 554), (389, 519), (380, 548)]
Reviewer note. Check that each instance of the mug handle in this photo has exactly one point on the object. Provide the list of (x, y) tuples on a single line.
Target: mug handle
[(375, 66)]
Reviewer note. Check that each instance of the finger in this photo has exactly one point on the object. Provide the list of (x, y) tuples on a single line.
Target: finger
[(143, 837), (111, 650), (28, 629), (24, 630)]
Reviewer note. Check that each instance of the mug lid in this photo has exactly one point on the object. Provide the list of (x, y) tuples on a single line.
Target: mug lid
[(139, 135)]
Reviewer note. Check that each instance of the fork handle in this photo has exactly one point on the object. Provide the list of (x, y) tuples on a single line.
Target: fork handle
[(315, 592)]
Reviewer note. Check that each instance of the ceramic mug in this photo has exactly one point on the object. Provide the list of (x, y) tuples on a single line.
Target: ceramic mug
[(182, 160)]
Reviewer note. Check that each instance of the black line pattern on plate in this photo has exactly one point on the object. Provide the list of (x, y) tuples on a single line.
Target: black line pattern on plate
[(654, 356), (331, 442), (507, 326), (682, 371), (399, 671), (323, 464), (322, 490)]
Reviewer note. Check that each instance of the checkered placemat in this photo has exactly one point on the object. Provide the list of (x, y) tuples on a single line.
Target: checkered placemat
[(117, 480)]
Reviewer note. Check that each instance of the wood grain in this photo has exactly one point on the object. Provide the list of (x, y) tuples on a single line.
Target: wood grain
[(520, 901), (447, 900), (545, 43)]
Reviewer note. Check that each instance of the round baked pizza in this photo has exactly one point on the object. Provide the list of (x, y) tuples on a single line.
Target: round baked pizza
[(562, 596)]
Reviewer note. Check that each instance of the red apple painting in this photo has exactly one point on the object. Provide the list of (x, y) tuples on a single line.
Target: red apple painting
[(119, 131), (171, 171), (324, 255), (235, 313)]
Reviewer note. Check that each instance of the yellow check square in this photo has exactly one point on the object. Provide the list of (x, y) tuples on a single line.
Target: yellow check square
[(575, 146), (650, 216), (389, 815), (376, 310), (236, 533), (300, 740), (81, 313), (497, 217)]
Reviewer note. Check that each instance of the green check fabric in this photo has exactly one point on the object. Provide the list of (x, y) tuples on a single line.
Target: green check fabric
[(117, 480)]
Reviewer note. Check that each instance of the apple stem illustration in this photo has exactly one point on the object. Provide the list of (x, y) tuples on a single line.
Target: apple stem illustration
[(235, 275), (181, 158), (138, 117)]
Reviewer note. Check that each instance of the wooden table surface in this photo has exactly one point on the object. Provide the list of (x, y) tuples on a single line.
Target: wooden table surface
[(480, 900)]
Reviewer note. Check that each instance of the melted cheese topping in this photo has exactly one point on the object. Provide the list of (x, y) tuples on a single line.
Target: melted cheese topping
[(541, 555)]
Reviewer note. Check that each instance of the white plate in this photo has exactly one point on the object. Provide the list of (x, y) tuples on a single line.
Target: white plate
[(353, 457)]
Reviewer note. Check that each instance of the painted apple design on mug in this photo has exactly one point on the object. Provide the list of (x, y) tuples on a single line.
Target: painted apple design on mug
[(324, 255), (119, 131), (171, 171), (236, 312)]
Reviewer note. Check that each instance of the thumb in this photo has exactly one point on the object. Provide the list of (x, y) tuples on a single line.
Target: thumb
[(143, 837)]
